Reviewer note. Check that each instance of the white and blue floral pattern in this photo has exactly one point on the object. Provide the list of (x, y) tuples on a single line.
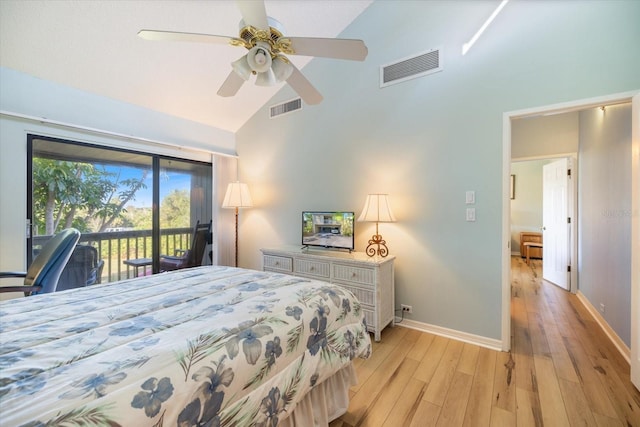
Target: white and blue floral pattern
[(208, 346)]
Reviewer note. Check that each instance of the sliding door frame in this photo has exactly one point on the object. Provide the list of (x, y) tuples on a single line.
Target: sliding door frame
[(155, 166)]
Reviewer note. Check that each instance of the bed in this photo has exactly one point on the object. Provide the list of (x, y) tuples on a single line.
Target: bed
[(207, 346)]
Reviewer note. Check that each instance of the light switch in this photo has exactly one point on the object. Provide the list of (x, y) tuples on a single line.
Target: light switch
[(471, 197), (471, 214)]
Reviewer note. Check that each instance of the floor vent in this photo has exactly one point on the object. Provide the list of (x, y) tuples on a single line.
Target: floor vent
[(414, 66), (285, 108)]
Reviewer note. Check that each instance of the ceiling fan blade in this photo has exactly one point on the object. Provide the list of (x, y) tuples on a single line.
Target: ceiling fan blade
[(351, 49), (254, 13), (231, 85), (303, 87), (155, 35)]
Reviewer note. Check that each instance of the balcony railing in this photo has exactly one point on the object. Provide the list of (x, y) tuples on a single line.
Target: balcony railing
[(115, 247)]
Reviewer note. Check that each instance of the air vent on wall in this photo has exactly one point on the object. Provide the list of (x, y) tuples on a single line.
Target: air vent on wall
[(285, 108), (414, 66)]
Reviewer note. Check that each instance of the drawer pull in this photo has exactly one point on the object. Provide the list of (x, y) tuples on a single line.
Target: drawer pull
[(312, 268), (353, 274), (277, 262)]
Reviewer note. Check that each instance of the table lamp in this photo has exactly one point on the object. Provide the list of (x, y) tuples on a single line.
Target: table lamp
[(376, 209)]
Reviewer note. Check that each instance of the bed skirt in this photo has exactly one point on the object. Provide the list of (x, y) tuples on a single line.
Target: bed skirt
[(326, 402)]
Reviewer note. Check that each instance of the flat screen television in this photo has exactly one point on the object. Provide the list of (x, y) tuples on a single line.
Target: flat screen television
[(328, 229)]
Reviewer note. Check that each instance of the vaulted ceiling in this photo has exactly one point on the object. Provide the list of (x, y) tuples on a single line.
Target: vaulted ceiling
[(93, 46)]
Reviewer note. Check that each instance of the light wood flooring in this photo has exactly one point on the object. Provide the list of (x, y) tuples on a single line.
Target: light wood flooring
[(562, 371)]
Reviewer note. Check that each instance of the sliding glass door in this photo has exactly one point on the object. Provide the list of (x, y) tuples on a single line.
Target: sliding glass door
[(185, 201), (130, 207)]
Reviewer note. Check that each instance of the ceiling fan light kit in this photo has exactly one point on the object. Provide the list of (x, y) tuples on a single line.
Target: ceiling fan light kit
[(242, 68), (282, 68), (259, 57), (267, 78), (263, 37)]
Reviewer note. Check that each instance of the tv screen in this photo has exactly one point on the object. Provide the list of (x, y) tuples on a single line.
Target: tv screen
[(328, 229)]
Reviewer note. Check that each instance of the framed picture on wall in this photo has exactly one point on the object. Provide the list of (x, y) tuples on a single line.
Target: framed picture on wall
[(513, 187)]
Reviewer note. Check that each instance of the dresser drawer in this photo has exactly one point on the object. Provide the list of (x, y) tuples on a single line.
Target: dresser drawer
[(348, 274), (278, 263), (307, 267), (371, 280), (364, 295)]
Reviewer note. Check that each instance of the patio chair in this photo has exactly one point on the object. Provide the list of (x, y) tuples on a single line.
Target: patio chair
[(191, 257), (44, 272), (83, 269)]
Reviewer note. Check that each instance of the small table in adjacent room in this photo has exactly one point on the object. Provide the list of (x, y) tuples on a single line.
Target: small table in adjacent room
[(527, 249), (530, 245), (137, 263)]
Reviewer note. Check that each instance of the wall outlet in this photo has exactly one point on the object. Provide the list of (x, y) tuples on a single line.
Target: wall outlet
[(406, 308), (602, 308)]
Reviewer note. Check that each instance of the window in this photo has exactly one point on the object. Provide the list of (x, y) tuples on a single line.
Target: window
[(131, 207)]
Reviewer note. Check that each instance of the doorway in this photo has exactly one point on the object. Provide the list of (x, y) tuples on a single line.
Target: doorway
[(535, 212), (508, 118)]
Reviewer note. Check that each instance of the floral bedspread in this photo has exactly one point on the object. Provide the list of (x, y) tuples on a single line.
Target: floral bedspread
[(209, 346)]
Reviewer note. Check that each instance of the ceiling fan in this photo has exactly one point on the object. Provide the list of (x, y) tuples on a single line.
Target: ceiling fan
[(263, 37)]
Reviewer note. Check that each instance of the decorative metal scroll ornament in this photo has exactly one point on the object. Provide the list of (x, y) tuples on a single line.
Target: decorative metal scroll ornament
[(376, 241), (250, 36)]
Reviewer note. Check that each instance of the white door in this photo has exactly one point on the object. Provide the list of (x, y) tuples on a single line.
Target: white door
[(635, 239), (555, 235)]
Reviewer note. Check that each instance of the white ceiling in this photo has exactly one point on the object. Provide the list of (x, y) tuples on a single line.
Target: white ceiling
[(93, 46)]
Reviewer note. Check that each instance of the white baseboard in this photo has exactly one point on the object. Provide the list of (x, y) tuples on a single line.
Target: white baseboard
[(615, 339), (489, 343), (495, 344)]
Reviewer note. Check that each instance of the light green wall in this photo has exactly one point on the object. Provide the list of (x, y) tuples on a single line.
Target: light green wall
[(428, 140)]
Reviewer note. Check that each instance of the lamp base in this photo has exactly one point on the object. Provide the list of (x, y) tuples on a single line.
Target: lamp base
[(377, 246)]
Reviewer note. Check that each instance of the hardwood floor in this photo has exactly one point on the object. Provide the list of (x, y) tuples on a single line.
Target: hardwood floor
[(562, 371)]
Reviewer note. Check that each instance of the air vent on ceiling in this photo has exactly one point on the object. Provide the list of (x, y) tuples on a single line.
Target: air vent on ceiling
[(414, 66), (285, 108)]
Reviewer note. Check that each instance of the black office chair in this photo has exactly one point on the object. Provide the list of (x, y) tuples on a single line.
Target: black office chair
[(84, 268), (44, 272)]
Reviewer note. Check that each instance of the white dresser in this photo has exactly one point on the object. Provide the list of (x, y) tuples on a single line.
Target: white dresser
[(370, 279)]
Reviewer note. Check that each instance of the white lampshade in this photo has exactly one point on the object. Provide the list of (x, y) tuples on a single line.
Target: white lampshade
[(281, 68), (242, 68), (237, 196), (266, 79), (377, 209)]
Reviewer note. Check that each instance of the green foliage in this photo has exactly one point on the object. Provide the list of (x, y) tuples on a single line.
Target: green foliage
[(81, 195), (138, 218), (347, 223), (175, 209)]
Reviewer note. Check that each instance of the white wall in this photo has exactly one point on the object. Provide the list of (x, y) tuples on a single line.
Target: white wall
[(428, 140), (526, 208), (604, 208), (545, 136)]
